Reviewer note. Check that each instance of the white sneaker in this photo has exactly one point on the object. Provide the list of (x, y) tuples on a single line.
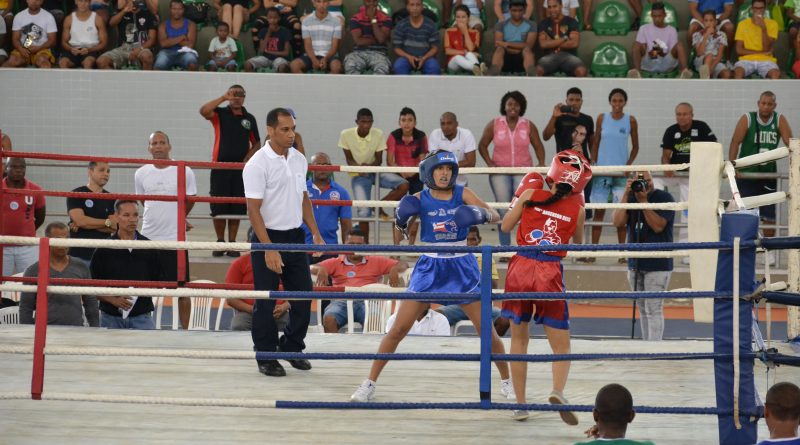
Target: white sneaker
[(556, 398), (519, 415), (365, 392), (507, 389)]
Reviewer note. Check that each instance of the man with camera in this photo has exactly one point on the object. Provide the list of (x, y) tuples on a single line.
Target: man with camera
[(647, 226), (136, 30)]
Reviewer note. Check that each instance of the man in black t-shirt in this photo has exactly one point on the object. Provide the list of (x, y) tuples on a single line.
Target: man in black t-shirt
[(136, 31), (559, 37), (236, 139), (562, 125), (675, 146), (91, 218)]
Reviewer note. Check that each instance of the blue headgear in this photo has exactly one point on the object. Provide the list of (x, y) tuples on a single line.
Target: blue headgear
[(429, 164)]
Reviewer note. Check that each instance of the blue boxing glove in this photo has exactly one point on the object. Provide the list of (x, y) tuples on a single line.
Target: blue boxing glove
[(408, 207), (468, 216)]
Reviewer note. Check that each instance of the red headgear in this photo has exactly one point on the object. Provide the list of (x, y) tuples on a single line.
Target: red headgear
[(531, 181), (569, 167)]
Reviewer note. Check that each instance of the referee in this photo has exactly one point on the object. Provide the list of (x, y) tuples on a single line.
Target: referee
[(235, 140), (278, 204)]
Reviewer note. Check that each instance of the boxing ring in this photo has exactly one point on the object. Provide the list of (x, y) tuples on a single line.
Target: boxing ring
[(443, 381)]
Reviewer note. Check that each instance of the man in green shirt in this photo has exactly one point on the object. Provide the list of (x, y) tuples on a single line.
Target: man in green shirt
[(613, 411), (758, 132)]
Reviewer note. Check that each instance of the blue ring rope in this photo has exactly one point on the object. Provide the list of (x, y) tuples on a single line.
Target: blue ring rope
[(637, 247), (456, 296), (502, 357), (501, 406)]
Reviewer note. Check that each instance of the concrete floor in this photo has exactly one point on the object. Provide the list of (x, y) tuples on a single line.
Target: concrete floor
[(34, 422)]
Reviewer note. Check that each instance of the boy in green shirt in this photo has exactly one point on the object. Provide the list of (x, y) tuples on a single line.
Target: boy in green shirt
[(613, 411)]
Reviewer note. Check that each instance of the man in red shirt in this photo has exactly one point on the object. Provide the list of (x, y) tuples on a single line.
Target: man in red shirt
[(241, 272), (354, 270), (21, 216)]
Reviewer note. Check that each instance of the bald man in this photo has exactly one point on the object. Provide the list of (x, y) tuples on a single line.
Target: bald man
[(675, 147), (459, 141), (330, 219), (160, 219)]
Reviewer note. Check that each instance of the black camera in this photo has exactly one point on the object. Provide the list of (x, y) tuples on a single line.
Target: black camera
[(566, 109), (140, 5), (639, 184)]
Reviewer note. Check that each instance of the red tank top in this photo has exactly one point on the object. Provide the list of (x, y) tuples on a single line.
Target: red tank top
[(553, 224)]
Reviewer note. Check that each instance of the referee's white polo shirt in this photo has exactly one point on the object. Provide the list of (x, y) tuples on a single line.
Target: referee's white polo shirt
[(280, 182)]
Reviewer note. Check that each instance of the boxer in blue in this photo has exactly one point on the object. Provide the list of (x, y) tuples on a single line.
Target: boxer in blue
[(446, 211)]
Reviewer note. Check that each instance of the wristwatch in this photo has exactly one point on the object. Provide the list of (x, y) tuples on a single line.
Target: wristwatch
[(107, 223), (374, 21)]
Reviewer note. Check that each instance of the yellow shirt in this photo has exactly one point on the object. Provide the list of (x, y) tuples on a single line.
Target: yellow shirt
[(750, 34), (362, 149), (495, 273), (4, 5)]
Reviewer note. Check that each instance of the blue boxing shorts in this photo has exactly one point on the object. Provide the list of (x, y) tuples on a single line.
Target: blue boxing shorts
[(457, 273)]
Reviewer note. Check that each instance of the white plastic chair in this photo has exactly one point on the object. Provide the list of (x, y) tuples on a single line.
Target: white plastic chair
[(158, 303), (376, 312), (220, 312), (462, 324), (12, 295), (9, 315), (200, 317)]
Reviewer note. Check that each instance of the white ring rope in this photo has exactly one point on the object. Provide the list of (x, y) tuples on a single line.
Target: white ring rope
[(761, 158), (205, 293), (677, 206), (147, 400), (205, 245), (736, 363), (132, 352), (596, 169)]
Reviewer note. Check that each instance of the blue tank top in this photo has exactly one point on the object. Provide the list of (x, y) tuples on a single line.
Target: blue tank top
[(436, 217), (614, 136), (173, 32)]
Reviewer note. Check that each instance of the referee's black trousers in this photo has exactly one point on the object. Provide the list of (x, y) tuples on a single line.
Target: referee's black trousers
[(295, 277)]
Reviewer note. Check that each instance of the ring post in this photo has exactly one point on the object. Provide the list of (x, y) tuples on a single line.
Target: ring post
[(485, 383), (727, 373), (793, 313), (40, 332), (704, 176), (181, 221), (2, 201)]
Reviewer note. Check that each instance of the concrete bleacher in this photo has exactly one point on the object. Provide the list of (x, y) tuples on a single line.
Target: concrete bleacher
[(589, 40)]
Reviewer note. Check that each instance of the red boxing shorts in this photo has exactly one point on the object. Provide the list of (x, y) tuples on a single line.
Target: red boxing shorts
[(530, 275)]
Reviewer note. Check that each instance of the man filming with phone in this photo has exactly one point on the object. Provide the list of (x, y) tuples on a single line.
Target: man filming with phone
[(565, 124), (647, 226)]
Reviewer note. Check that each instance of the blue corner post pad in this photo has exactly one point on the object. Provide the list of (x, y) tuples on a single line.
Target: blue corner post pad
[(744, 226)]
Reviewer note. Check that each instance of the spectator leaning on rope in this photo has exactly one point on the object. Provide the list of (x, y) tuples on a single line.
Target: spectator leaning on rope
[(61, 309)]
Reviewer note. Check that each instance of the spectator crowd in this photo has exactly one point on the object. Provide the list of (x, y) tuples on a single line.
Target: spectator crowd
[(723, 40), (508, 140)]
